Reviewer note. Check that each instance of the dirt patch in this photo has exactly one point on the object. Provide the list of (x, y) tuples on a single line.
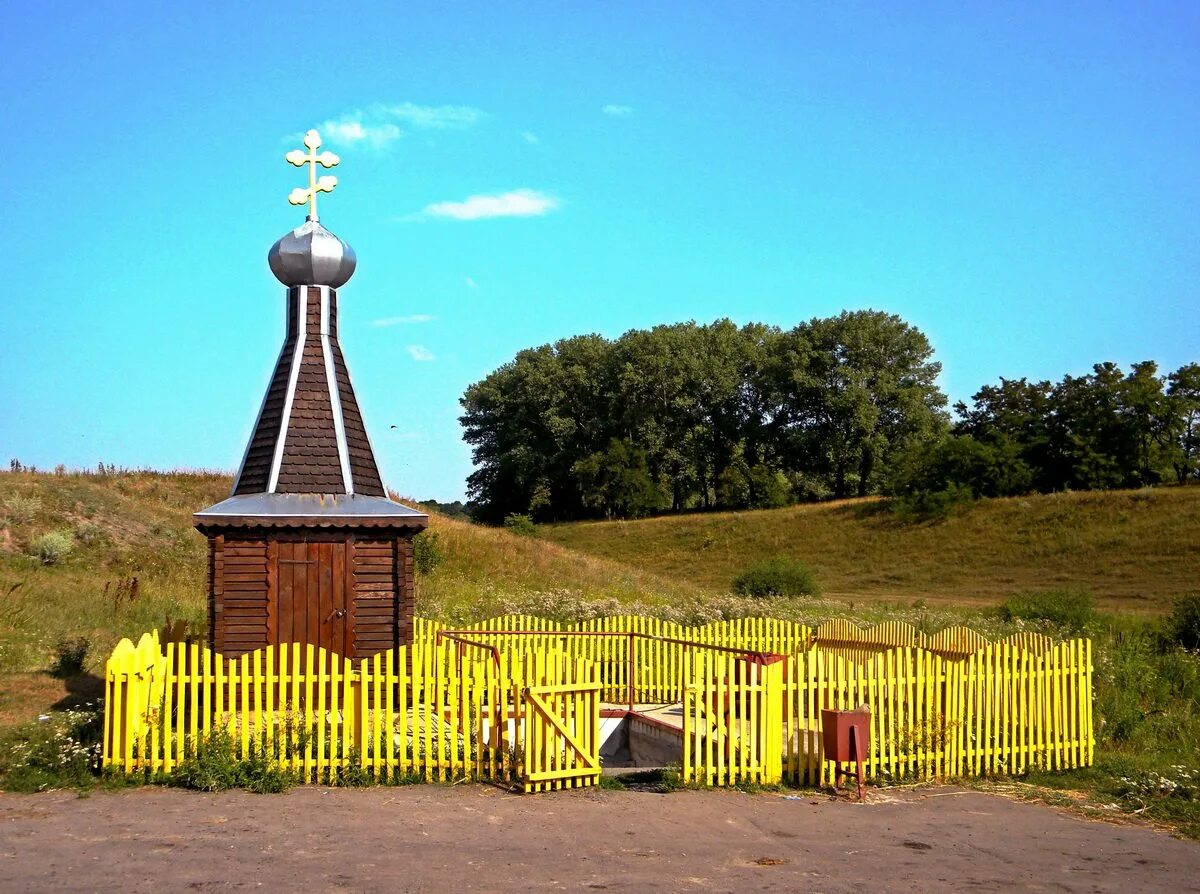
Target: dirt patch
[(474, 838), (24, 696)]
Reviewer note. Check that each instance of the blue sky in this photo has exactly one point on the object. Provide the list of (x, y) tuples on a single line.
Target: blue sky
[(1021, 181)]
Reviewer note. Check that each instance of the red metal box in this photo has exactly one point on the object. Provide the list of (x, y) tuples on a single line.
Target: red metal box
[(835, 734)]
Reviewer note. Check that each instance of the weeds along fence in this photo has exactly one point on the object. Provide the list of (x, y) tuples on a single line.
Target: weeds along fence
[(416, 713)]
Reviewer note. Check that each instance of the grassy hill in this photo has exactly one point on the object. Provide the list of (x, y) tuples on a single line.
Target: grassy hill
[(1133, 550), (137, 525)]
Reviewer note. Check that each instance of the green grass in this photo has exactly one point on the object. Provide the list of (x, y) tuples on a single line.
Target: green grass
[(1147, 711), (123, 527), (138, 525), (1133, 550)]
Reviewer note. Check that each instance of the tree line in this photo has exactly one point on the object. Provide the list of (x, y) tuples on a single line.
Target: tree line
[(691, 416), (1107, 429)]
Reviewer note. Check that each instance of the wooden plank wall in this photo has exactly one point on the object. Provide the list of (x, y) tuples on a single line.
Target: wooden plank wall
[(240, 595), (374, 564), (407, 596)]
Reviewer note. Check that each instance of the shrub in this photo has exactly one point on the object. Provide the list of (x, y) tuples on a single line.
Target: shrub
[(779, 576), (521, 525), (427, 552), (70, 656), (1070, 609), (61, 751), (211, 765), (21, 510), (53, 547), (1184, 623), (89, 533), (925, 505)]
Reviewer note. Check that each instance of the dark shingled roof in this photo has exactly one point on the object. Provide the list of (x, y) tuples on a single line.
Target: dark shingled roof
[(309, 438)]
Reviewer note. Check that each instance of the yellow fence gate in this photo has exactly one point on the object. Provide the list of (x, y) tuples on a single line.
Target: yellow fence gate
[(561, 729)]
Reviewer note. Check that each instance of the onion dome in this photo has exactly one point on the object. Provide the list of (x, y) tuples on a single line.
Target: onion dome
[(310, 255)]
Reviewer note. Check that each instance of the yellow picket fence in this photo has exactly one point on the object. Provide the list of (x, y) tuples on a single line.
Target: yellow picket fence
[(517, 699), (853, 641), (1002, 710), (641, 660), (419, 711), (732, 721)]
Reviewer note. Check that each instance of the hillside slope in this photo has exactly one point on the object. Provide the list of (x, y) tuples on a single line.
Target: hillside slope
[(137, 525), (1133, 550)]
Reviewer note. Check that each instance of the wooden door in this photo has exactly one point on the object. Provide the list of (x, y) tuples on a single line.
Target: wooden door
[(314, 594)]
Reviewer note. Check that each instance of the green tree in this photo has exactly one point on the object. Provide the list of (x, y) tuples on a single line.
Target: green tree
[(1110, 429), (687, 416), (1183, 395), (1146, 411), (529, 421), (654, 403), (989, 468), (1019, 412), (616, 482), (867, 392)]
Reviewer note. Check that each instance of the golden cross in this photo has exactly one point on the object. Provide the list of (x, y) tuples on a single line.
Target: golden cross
[(299, 195)]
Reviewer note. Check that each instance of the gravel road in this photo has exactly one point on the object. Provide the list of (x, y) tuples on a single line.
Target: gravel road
[(476, 838)]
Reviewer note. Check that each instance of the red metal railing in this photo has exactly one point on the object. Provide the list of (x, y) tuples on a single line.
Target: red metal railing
[(460, 637)]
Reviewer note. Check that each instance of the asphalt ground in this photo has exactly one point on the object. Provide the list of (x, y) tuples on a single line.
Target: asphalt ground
[(477, 838)]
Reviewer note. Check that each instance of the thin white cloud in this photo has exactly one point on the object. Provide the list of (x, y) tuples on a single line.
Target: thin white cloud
[(617, 111), (471, 284), (420, 353), (530, 137), (517, 203), (350, 131), (379, 125), (432, 117), (400, 321)]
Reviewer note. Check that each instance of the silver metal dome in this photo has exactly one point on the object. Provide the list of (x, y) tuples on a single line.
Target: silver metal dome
[(310, 255)]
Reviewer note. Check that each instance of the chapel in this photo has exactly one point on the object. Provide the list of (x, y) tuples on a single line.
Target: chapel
[(309, 548)]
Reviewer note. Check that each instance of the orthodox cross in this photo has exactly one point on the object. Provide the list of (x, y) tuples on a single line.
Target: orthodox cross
[(299, 195)]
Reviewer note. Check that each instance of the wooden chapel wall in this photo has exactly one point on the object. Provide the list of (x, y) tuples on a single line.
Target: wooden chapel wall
[(244, 595)]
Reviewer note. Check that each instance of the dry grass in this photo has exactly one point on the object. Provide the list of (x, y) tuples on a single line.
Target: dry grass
[(1134, 550), (490, 571), (138, 525)]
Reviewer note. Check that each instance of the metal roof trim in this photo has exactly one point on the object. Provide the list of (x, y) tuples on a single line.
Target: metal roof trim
[(310, 510)]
